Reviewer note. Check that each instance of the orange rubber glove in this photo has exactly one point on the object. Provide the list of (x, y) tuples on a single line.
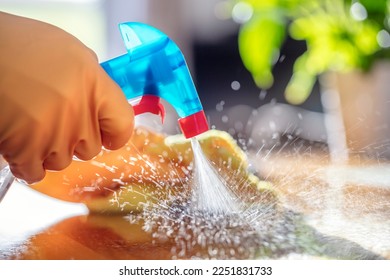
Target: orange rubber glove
[(55, 100)]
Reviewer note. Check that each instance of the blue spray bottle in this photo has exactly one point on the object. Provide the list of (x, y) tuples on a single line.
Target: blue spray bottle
[(155, 68)]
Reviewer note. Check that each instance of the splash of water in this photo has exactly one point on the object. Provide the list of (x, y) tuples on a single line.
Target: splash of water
[(198, 227), (209, 220), (210, 191), (258, 230)]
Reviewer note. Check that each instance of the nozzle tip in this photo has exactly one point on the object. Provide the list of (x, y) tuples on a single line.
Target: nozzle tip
[(194, 124)]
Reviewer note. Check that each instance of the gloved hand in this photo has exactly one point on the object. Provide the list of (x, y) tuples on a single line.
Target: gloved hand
[(55, 100)]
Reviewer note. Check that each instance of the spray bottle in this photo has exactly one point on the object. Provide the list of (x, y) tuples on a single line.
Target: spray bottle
[(153, 68)]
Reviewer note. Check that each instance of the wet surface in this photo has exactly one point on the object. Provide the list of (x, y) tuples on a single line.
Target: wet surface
[(348, 200), (325, 211), (102, 237)]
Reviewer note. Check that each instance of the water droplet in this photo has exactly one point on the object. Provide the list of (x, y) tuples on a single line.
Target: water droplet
[(242, 12), (235, 85), (231, 131), (263, 94), (358, 11), (383, 38), (272, 125), (219, 106)]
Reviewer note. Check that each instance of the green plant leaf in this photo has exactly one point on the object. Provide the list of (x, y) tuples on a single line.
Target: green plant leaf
[(301, 83), (336, 39), (259, 45), (374, 6)]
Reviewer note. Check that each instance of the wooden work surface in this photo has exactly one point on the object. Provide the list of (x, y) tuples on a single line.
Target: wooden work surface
[(350, 203)]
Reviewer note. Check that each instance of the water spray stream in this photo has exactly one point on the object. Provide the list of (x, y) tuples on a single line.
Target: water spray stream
[(210, 192)]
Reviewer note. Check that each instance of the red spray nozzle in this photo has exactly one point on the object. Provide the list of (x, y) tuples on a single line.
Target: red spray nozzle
[(194, 124)]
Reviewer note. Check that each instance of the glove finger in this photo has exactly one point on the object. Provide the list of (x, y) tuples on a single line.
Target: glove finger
[(116, 115), (31, 172), (86, 150), (56, 161), (24, 157)]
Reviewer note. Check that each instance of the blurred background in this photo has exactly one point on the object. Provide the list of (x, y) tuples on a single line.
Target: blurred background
[(223, 41)]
